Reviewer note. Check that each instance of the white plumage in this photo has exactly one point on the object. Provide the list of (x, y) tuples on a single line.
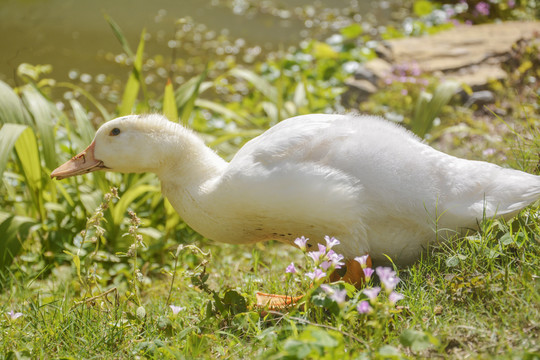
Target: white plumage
[(370, 183)]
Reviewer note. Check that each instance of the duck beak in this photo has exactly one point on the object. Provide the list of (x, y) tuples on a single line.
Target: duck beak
[(82, 163)]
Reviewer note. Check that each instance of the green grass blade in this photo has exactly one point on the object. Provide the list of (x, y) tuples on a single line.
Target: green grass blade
[(90, 98), (135, 81), (119, 35), (12, 109), (9, 134), (258, 82), (222, 110), (169, 103)]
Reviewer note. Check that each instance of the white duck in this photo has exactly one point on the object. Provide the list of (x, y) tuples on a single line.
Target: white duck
[(370, 183)]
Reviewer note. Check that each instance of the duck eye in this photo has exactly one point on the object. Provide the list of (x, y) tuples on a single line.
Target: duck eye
[(114, 132)]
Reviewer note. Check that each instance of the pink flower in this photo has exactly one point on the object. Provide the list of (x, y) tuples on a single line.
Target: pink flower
[(316, 275), (291, 269), (394, 297), (362, 260), (331, 241), (372, 293), (325, 265), (482, 8), (301, 243), (322, 248), (367, 273), (335, 259), (14, 315), (176, 309), (388, 278), (363, 307), (338, 296), (315, 255)]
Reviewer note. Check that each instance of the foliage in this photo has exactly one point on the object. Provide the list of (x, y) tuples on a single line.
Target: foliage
[(84, 276)]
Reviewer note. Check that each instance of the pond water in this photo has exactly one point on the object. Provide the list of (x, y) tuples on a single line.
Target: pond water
[(73, 34)]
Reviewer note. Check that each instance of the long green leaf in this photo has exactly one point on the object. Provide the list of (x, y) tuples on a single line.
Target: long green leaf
[(186, 96), (169, 104), (127, 198), (222, 110), (135, 81), (84, 126), (12, 109), (258, 82), (41, 110), (29, 159), (428, 107), (9, 134), (119, 35), (14, 230)]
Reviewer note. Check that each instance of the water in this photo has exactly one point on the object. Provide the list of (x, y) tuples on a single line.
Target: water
[(73, 34)]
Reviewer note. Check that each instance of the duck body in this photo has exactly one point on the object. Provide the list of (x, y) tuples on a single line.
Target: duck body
[(368, 182)]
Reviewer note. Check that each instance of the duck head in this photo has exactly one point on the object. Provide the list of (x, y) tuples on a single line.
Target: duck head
[(130, 144)]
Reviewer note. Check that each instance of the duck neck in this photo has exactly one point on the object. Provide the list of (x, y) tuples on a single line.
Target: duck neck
[(187, 162), (189, 173)]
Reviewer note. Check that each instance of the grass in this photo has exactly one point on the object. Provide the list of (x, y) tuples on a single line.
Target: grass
[(478, 297), (106, 293)]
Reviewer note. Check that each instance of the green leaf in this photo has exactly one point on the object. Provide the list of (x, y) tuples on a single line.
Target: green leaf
[(429, 106), (42, 111), (222, 110), (417, 340), (322, 50), (134, 82), (258, 82), (169, 103), (352, 31), (9, 134), (27, 151), (12, 109), (185, 97), (84, 126), (422, 7), (127, 198), (14, 230), (119, 35)]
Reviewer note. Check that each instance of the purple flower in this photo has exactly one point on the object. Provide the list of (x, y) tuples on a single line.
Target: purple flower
[(301, 243), (363, 307), (404, 92), (176, 309), (322, 248), (316, 275), (511, 4), (372, 293), (367, 273), (335, 259), (325, 265), (291, 269), (394, 297), (388, 278), (331, 241), (362, 260), (315, 255), (482, 8), (14, 315), (338, 296)]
